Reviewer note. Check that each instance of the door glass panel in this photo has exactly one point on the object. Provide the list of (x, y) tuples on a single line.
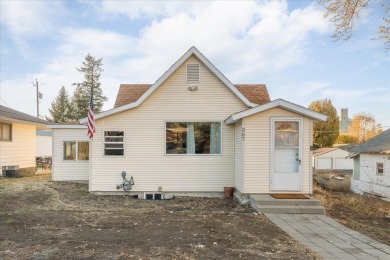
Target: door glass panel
[(286, 134)]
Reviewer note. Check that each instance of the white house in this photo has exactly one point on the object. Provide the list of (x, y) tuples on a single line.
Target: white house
[(371, 172), (333, 158), (44, 143), (18, 139), (191, 132)]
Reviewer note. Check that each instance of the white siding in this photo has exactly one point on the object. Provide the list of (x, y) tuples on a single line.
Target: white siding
[(257, 151), (238, 156), (21, 150), (68, 170), (144, 129), (369, 181), (44, 145)]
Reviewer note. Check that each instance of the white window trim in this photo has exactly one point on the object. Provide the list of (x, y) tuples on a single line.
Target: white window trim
[(194, 154), (377, 168), (193, 82), (104, 142), (77, 150), (272, 143)]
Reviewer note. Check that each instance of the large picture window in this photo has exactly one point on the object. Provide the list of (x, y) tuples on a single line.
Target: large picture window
[(193, 138), (5, 132), (76, 151), (113, 143)]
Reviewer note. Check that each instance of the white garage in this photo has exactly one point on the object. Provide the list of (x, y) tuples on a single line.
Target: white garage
[(324, 163), (331, 159)]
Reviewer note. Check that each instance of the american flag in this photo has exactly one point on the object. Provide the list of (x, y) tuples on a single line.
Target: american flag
[(91, 119)]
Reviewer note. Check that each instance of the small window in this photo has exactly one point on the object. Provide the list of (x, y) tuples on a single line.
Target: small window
[(71, 149), (5, 132), (379, 168), (193, 72), (113, 143), (82, 151)]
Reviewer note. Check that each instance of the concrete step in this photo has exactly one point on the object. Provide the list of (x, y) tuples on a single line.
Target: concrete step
[(265, 203), (289, 209)]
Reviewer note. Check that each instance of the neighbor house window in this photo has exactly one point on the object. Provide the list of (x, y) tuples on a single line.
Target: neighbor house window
[(193, 138), (379, 168), (76, 151), (113, 143), (5, 132)]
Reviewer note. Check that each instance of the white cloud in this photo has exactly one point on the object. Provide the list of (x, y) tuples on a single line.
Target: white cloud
[(29, 19), (97, 42), (149, 9)]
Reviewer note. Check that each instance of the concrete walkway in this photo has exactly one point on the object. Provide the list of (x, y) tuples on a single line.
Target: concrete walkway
[(328, 238)]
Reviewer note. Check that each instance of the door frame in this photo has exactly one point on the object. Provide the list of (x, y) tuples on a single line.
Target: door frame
[(272, 150)]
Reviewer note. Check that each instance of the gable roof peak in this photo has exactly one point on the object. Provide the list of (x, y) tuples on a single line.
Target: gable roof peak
[(167, 74)]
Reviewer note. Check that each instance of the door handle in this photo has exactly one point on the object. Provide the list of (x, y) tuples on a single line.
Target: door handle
[(298, 160)]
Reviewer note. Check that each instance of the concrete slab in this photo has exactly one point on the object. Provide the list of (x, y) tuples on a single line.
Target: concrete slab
[(328, 238)]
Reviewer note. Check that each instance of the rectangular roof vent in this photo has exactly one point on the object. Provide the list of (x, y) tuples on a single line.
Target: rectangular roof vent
[(193, 72)]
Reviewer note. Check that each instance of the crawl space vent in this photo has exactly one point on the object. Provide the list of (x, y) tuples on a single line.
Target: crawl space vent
[(153, 196)]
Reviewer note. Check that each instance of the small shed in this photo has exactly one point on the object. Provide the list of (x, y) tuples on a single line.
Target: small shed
[(333, 158), (371, 173)]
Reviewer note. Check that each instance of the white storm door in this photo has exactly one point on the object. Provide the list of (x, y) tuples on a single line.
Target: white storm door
[(286, 155)]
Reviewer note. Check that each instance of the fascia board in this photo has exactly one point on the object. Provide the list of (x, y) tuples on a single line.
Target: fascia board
[(277, 103), (67, 126)]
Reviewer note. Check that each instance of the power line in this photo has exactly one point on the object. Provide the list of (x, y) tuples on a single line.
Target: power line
[(5, 103)]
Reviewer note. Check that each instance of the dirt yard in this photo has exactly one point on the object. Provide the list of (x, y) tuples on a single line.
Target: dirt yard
[(40, 219), (367, 215)]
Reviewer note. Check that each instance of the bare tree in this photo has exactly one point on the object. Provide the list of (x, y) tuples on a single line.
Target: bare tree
[(344, 13), (364, 127)]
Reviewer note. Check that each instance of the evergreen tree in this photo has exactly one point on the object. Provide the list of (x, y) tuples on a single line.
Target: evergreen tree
[(325, 133), (92, 69), (61, 110)]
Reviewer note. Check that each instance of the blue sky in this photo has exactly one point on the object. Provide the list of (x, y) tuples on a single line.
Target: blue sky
[(283, 44)]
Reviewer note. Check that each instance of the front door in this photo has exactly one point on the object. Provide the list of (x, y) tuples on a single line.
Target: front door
[(286, 155)]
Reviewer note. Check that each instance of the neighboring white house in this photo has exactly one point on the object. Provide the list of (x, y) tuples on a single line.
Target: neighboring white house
[(332, 159), (371, 172), (44, 144), (18, 138), (191, 132)]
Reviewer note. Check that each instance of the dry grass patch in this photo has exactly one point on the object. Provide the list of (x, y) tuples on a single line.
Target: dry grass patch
[(368, 215)]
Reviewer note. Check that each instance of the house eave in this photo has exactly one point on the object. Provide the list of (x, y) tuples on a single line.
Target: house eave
[(13, 120), (276, 103), (67, 126)]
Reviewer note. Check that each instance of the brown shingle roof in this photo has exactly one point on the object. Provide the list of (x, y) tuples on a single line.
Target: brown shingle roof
[(129, 93), (255, 93)]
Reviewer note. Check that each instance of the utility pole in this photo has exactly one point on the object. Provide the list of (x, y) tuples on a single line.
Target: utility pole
[(39, 95)]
